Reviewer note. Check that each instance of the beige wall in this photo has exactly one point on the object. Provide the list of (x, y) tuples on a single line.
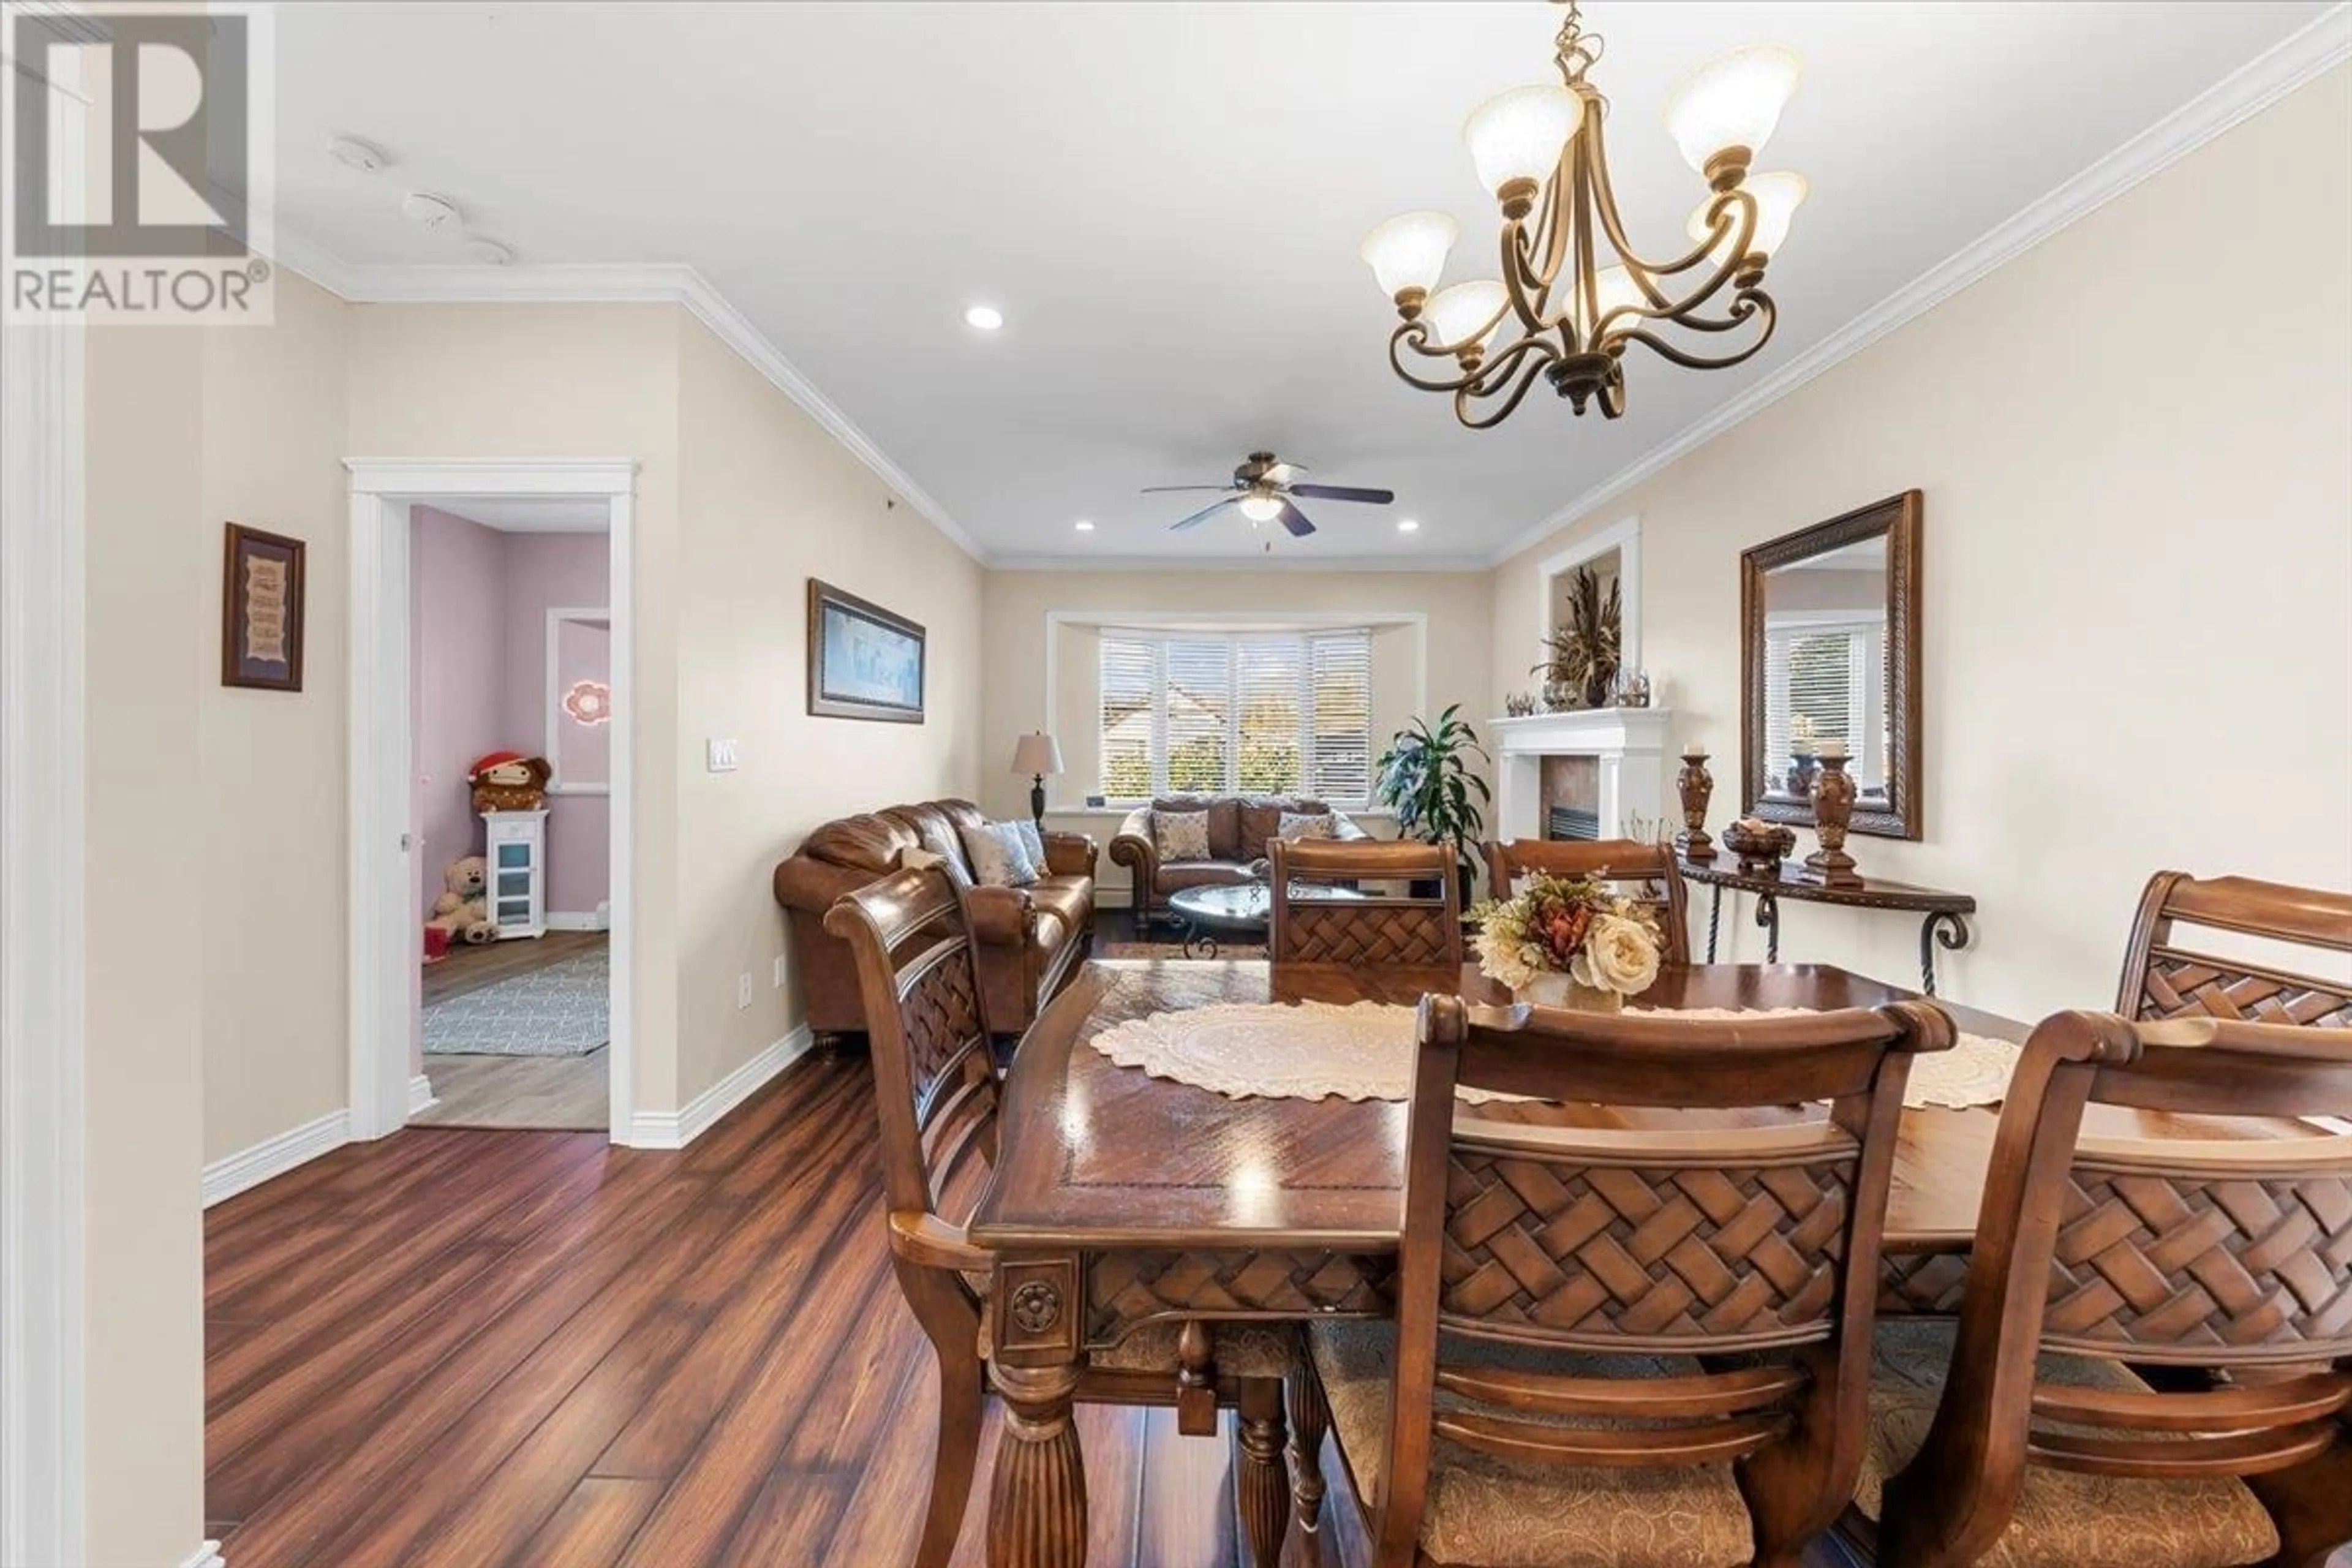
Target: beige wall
[(276, 898), (153, 566), (767, 499), (2132, 441), (1451, 608)]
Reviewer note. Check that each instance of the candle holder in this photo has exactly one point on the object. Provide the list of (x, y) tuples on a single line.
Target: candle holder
[(1833, 798), (1697, 786)]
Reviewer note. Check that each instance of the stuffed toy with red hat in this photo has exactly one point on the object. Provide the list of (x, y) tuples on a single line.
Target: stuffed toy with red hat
[(509, 781)]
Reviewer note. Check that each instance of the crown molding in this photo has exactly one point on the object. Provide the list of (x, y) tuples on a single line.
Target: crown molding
[(1253, 565), (601, 283), (2324, 43)]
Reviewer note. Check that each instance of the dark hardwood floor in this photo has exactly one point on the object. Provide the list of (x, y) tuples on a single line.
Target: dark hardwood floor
[(455, 1349)]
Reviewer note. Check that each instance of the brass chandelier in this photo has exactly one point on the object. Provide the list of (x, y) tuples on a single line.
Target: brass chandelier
[(1559, 311)]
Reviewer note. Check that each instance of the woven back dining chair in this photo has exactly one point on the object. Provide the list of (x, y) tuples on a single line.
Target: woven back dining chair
[(2171, 1312), (1648, 873), (1550, 1392), (935, 1092), (2163, 978), (1389, 928)]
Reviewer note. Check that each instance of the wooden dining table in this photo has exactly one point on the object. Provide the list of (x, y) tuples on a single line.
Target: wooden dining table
[(1119, 1198)]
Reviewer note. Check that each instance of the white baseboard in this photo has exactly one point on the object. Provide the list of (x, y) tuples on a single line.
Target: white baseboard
[(1114, 897), (676, 1129), (579, 920), (208, 1556), (420, 1094), (233, 1173)]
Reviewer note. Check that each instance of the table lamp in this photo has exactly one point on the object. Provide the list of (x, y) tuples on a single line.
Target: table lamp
[(1037, 756)]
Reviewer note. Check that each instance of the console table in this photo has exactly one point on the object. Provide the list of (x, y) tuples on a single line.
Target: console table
[(1946, 924)]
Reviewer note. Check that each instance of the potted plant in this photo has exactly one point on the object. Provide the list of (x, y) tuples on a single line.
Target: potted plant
[(1568, 942), (1424, 777)]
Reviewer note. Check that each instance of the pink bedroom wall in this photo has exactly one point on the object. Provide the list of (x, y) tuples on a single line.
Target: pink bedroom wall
[(544, 571), (458, 641)]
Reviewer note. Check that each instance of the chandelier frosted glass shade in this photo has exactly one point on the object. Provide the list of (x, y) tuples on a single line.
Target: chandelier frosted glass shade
[(1778, 195), (1409, 252), (1516, 136), (1466, 313), (1732, 101)]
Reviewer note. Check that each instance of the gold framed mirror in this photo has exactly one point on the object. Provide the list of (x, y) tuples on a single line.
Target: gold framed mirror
[(1829, 659)]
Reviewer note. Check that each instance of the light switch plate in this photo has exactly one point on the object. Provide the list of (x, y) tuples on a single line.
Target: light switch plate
[(723, 759), (778, 982), (743, 989)]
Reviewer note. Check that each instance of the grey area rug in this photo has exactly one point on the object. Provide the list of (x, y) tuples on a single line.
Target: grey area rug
[(563, 1010)]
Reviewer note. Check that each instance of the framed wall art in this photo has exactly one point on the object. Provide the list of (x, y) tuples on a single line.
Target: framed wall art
[(261, 611), (863, 661)]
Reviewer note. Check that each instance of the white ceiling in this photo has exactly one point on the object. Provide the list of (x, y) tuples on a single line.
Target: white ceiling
[(1165, 199)]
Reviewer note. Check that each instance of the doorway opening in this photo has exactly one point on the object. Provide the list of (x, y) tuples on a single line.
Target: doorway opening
[(510, 683), (490, 781)]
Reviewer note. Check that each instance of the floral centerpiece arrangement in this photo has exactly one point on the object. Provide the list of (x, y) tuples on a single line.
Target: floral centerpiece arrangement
[(1568, 942)]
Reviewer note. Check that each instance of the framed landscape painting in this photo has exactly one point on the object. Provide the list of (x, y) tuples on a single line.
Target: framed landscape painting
[(261, 611), (863, 661)]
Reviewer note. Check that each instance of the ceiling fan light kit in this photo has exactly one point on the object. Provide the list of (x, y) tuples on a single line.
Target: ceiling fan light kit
[(1574, 292), (1262, 487)]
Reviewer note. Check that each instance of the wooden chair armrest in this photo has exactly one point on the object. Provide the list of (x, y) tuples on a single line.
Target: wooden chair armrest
[(929, 1242)]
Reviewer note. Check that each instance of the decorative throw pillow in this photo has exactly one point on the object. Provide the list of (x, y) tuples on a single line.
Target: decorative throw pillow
[(999, 858), (1295, 825), (1181, 835), (1035, 842)]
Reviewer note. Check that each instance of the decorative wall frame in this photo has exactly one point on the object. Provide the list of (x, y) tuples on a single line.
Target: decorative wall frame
[(1896, 813), (261, 610), (864, 662)]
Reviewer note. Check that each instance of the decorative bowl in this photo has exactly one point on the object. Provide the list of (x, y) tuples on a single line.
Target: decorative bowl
[(1759, 850)]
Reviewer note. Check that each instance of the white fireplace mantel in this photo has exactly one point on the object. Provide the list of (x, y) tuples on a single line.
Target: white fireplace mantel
[(1631, 747)]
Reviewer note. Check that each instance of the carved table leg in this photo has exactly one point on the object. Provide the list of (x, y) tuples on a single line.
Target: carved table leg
[(1037, 1501), (1943, 929), (1768, 915), (1196, 1381), (1261, 1483), (1310, 1418), (1714, 918)]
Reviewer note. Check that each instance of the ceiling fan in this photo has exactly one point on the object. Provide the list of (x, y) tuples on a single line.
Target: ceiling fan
[(1262, 487)]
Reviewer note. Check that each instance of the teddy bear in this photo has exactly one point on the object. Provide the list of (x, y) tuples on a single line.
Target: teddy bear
[(463, 909), (509, 781)]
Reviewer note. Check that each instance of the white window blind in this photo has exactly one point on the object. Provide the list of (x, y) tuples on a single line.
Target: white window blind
[(1264, 713), (1821, 674)]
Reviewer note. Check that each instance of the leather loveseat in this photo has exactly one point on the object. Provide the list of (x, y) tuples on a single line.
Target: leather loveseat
[(1026, 942), (1240, 827)]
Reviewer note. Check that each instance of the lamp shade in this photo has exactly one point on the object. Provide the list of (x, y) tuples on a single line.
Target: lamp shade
[(1409, 252), (1466, 313), (1518, 135), (1035, 753), (1732, 101), (1778, 196)]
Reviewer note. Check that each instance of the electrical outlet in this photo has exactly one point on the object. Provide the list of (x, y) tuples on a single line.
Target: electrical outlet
[(723, 757), (743, 989), (777, 983)]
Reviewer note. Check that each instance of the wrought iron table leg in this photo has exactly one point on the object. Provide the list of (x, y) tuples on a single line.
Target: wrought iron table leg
[(1945, 929), (1199, 942), (1714, 917), (1768, 915)]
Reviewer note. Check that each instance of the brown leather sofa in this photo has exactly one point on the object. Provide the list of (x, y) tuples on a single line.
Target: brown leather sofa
[(1240, 827), (1027, 941)]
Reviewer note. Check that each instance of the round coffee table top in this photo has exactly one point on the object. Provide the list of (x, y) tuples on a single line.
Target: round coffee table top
[(1244, 906)]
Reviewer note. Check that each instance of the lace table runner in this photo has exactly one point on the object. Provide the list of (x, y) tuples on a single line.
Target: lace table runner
[(1364, 1051)]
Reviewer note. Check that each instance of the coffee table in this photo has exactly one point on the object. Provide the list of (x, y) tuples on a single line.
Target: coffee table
[(1228, 911)]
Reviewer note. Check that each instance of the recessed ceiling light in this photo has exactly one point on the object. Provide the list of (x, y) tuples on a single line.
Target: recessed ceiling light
[(1086, 525), (987, 318), (489, 252), (1408, 525)]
